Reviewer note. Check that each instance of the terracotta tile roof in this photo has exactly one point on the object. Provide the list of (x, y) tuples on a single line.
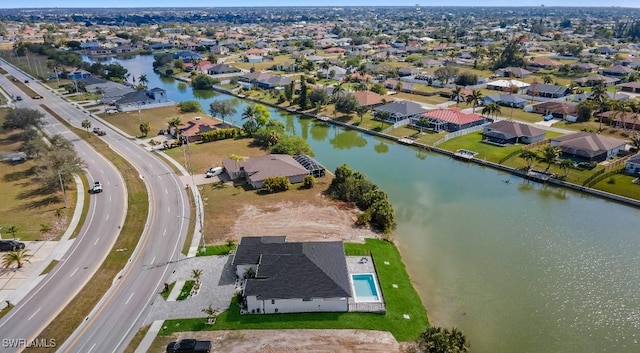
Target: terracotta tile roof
[(197, 126), (452, 115), (369, 98)]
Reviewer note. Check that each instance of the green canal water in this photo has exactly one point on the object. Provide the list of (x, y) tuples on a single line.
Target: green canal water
[(518, 266)]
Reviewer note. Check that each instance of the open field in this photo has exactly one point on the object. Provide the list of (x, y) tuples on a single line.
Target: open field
[(25, 205), (129, 122), (34, 64), (206, 155)]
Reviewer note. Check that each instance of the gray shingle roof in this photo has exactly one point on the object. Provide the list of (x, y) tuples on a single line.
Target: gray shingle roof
[(296, 270), (512, 129), (587, 144), (404, 108)]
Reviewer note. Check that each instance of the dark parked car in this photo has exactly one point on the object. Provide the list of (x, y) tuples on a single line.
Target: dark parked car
[(189, 346), (98, 131), (26, 81), (9, 245), (18, 98)]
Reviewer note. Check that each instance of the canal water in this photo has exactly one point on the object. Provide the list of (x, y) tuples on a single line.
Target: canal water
[(517, 266)]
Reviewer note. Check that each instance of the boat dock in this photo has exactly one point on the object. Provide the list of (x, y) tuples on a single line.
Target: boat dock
[(465, 154)]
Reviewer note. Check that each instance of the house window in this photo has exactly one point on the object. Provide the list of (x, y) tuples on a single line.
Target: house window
[(307, 299), (273, 301), (276, 310)]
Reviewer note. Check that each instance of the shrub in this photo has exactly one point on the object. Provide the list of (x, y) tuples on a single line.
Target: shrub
[(220, 134), (276, 184), (190, 107), (309, 181)]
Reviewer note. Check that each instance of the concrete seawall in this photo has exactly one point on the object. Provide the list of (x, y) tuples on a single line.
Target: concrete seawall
[(622, 199)]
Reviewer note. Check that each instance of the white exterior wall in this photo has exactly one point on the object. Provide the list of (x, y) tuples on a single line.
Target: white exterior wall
[(297, 305), (241, 269), (614, 152)]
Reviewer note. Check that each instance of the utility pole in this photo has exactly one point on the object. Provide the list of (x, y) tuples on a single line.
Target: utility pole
[(64, 195)]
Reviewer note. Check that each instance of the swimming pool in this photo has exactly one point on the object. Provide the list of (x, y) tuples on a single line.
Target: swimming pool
[(365, 288)]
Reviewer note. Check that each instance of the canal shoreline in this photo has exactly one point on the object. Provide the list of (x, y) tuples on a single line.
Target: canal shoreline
[(517, 172)]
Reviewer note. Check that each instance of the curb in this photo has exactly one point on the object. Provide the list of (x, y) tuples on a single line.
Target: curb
[(146, 342)]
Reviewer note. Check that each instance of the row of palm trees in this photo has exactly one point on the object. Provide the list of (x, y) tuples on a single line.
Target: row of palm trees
[(475, 98), (549, 155)]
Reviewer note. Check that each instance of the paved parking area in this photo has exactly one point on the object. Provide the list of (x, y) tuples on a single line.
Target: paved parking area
[(217, 289)]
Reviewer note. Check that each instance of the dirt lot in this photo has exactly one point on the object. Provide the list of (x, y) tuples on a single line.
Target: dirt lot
[(301, 222), (291, 341)]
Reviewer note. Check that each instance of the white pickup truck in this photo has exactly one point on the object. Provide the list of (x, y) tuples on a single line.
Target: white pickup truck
[(97, 188)]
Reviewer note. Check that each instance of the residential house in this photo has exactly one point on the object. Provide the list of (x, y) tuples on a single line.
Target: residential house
[(187, 56), (616, 71), (78, 75), (513, 72), (159, 46), (109, 91), (513, 86), (560, 110), (408, 71), (449, 119), (507, 100), (370, 99), (547, 90), (335, 50), (292, 277), (632, 167), (604, 50), (89, 45), (203, 66), (333, 72), (541, 62), (593, 80), (141, 99), (584, 68), (428, 62), (265, 80), (625, 120), (255, 170), (400, 110), (506, 132), (223, 69), (219, 50), (585, 146), (631, 87), (192, 130)]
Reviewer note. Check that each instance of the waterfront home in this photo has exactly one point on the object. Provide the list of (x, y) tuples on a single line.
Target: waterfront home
[(265, 80), (449, 119), (142, 99), (507, 100), (632, 166), (187, 56), (284, 277), (513, 72), (223, 69), (371, 99), (547, 90), (78, 74), (585, 146), (506, 132), (255, 170), (109, 91), (400, 110)]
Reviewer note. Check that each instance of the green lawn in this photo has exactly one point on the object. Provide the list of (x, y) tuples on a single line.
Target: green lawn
[(165, 293), (473, 142), (399, 301), (186, 290), (212, 250), (620, 184), (574, 176)]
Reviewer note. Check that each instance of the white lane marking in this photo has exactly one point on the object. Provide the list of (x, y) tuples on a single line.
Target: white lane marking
[(98, 238), (102, 171), (92, 347), (166, 191), (34, 314), (169, 209), (74, 272), (153, 260), (127, 302), (107, 217), (127, 148), (109, 198), (165, 232)]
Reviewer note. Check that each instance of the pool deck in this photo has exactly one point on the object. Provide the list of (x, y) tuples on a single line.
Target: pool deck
[(364, 264)]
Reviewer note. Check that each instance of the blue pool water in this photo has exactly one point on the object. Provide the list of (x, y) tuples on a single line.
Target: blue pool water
[(364, 288)]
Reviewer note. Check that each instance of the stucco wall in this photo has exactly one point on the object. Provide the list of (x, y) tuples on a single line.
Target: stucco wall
[(297, 305)]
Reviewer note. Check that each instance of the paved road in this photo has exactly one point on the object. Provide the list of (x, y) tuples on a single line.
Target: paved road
[(121, 311), (105, 216)]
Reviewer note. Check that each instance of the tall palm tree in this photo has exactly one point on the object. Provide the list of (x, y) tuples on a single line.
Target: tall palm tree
[(491, 109), (549, 154), (599, 96), (143, 80), (174, 123), (457, 95), (237, 159), (635, 142), (474, 98), (44, 229), (361, 110), (529, 156), (565, 165), (145, 127), (196, 273), (86, 124), (16, 256)]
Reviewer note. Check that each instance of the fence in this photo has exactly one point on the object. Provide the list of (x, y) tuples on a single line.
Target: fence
[(459, 133), (536, 144), (398, 124)]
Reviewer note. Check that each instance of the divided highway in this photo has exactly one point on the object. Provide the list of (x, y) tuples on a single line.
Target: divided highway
[(115, 320)]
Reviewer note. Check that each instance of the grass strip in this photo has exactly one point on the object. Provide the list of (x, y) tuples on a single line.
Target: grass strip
[(68, 320), (5, 310), (49, 267), (23, 87), (212, 250), (165, 293), (3, 71), (192, 224), (135, 342), (85, 207), (399, 301), (186, 290)]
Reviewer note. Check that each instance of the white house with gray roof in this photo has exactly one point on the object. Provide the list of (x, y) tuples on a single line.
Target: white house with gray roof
[(292, 277), (255, 170)]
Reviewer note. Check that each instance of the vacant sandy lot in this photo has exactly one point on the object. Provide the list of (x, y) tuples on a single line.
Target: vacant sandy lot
[(301, 222), (293, 341)]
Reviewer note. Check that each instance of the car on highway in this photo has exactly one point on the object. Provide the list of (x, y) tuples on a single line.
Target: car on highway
[(97, 188), (18, 98), (98, 131), (37, 96), (10, 245), (26, 81)]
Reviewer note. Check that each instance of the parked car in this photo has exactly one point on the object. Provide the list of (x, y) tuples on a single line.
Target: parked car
[(111, 111), (26, 81), (37, 96), (213, 171), (97, 188), (10, 245), (18, 98), (189, 346)]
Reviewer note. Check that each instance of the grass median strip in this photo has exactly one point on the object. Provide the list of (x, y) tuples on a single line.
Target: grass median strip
[(75, 312), (85, 207), (23, 87), (137, 339), (49, 267)]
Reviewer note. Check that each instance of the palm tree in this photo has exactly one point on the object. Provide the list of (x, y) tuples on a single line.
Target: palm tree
[(599, 96), (491, 109), (211, 314), (549, 154), (361, 110), (174, 123), (86, 124), (529, 156), (145, 127), (230, 244), (44, 229), (547, 79), (143, 79), (13, 230), (474, 98), (195, 273), (565, 164), (16, 256), (635, 142), (457, 95)]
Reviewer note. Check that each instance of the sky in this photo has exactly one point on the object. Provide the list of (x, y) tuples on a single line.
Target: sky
[(255, 3)]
